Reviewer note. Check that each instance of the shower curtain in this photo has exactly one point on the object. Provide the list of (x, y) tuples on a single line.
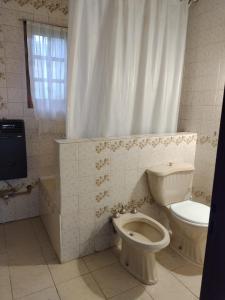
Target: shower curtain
[(125, 66)]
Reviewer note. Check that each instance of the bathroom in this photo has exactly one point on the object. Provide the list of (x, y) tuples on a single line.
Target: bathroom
[(93, 148)]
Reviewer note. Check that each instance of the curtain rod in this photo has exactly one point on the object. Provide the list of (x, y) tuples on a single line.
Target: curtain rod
[(25, 20)]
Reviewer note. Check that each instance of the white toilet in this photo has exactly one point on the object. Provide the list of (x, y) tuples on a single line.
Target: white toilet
[(141, 237), (170, 184)]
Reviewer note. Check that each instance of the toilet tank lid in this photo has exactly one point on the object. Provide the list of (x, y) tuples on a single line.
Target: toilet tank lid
[(170, 168)]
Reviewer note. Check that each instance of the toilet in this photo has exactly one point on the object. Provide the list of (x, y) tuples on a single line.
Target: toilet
[(141, 238), (170, 185)]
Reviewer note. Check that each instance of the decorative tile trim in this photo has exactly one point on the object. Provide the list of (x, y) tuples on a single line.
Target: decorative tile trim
[(142, 143), (50, 5), (100, 180), (101, 147), (101, 196), (128, 206), (213, 141), (101, 163), (200, 194), (101, 211)]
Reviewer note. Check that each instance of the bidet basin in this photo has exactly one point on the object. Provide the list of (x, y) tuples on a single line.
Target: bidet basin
[(141, 236)]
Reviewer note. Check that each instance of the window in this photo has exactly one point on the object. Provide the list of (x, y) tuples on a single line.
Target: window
[(47, 60)]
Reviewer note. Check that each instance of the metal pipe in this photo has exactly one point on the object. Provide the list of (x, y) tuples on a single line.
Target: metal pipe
[(13, 192)]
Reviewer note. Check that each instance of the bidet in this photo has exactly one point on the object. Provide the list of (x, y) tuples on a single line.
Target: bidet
[(142, 237)]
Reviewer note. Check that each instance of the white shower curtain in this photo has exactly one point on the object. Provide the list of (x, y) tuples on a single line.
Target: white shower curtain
[(125, 66)]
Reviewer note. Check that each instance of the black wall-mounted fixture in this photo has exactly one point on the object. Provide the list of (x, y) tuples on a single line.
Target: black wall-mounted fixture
[(13, 158)]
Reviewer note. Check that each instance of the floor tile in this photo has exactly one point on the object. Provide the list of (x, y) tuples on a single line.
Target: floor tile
[(170, 259), (47, 294), (4, 269), (5, 286), (190, 276), (114, 280), (99, 260), (168, 288), (40, 232), (25, 257), (67, 271), (29, 274), (27, 248), (82, 288), (137, 293), (2, 240), (20, 234), (116, 251), (43, 239)]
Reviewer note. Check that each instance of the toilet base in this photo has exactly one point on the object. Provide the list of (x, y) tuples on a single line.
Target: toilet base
[(191, 250), (141, 264), (189, 241)]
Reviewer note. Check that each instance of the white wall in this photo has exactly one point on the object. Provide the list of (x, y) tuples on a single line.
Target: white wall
[(14, 99), (203, 84)]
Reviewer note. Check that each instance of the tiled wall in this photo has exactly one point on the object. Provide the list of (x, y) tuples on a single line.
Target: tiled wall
[(97, 176), (203, 84), (13, 100)]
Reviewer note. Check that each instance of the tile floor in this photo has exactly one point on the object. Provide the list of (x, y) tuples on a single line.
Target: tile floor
[(29, 270)]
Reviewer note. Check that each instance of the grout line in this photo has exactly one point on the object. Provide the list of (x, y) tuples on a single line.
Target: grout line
[(116, 294), (180, 281), (114, 263), (94, 278), (150, 294), (98, 285), (141, 285), (33, 293), (99, 268), (7, 255), (35, 233)]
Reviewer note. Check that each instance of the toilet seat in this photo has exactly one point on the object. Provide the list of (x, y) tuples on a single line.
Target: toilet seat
[(191, 212)]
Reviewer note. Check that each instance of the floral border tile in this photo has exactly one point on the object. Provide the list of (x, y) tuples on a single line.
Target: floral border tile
[(56, 5)]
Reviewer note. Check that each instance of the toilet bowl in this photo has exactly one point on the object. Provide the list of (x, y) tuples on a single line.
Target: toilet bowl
[(170, 185), (141, 238), (189, 224)]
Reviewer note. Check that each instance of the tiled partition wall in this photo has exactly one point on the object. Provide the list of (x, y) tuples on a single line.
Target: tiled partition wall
[(203, 84), (13, 97), (96, 176)]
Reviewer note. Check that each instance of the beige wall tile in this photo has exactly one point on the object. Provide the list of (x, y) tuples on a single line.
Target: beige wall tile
[(15, 98), (204, 78)]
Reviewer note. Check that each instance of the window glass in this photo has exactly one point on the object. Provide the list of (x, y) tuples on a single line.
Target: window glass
[(40, 68), (58, 70), (40, 45), (41, 90), (47, 53)]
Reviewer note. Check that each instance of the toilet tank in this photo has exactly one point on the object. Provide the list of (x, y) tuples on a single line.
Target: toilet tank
[(170, 183)]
